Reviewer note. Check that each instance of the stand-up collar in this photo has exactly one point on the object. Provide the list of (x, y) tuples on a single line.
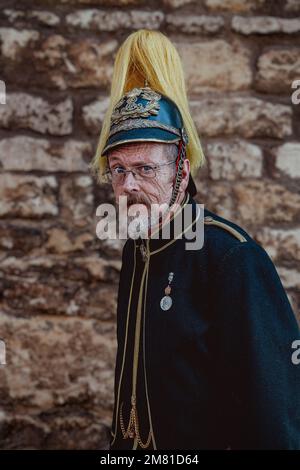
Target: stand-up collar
[(183, 220)]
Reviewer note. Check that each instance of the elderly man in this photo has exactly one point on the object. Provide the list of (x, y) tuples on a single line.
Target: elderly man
[(205, 335), (149, 160)]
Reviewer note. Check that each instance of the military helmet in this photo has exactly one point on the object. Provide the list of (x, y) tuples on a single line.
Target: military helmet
[(144, 115)]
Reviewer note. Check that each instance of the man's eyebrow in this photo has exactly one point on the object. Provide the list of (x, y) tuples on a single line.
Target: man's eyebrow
[(114, 161), (144, 163), (139, 163)]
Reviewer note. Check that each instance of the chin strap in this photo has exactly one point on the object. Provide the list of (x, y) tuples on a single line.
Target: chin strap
[(179, 165)]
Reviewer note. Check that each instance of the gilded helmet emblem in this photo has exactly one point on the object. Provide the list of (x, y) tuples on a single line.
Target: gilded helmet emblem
[(128, 107)]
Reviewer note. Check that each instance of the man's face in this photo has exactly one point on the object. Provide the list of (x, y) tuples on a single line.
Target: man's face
[(146, 191)]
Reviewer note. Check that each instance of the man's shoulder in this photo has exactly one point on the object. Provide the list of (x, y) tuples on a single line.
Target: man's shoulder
[(234, 254), (221, 227), (223, 237)]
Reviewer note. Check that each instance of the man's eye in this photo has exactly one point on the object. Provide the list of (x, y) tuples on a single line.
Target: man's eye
[(118, 170), (147, 168)]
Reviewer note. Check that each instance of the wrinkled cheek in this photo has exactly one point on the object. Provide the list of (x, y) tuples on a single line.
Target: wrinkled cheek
[(161, 193)]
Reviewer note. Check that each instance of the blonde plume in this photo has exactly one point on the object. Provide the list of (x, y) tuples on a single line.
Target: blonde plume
[(148, 56)]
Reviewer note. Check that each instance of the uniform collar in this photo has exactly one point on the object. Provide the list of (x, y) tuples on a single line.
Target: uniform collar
[(153, 245)]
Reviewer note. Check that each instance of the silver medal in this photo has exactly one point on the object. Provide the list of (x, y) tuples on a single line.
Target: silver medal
[(166, 302)]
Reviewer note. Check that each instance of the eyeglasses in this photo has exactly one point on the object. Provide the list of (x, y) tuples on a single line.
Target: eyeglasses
[(140, 172)]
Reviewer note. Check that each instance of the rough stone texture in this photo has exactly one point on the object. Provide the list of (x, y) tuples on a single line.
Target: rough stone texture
[(73, 430), (32, 112), (58, 281), (216, 196), (290, 277), (85, 345), (43, 17), (288, 159), (265, 25), (14, 41), (100, 3), (233, 160), (220, 65), (194, 24), (93, 114), (277, 69), (234, 6), (28, 153), (77, 200), (263, 202), (292, 5), (28, 196), (245, 116), (283, 244), (176, 3), (57, 61), (112, 21), (76, 64)]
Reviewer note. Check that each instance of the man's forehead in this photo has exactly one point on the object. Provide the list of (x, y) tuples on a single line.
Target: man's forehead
[(137, 151)]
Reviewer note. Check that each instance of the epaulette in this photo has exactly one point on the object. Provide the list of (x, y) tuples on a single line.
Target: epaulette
[(209, 220)]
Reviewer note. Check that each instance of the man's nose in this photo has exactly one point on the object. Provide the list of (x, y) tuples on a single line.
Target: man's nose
[(130, 184)]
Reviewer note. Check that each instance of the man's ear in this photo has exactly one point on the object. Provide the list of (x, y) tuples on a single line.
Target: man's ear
[(185, 175)]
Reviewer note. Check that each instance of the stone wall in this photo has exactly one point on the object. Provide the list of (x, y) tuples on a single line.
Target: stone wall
[(58, 281)]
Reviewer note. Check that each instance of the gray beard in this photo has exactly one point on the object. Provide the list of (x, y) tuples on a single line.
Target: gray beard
[(141, 228)]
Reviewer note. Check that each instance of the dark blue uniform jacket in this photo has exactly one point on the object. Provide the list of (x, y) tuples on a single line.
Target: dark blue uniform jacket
[(215, 370)]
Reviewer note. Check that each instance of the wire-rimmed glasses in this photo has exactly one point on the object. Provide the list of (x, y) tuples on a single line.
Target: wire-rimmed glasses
[(140, 172)]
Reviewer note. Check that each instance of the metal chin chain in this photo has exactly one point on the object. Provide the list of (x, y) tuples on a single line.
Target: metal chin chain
[(182, 156), (180, 159)]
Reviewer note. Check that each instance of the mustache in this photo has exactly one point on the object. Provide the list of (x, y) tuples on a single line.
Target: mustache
[(138, 199)]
